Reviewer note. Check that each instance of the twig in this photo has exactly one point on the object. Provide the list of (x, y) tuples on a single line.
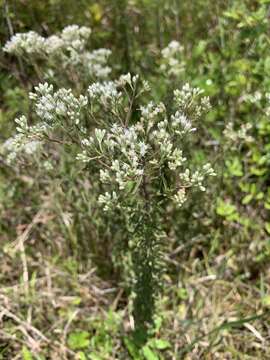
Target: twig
[(118, 297), (18, 243), (71, 318), (9, 24), (24, 264), (24, 324)]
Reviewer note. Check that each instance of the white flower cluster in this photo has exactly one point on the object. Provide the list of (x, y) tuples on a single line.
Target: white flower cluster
[(181, 123), (128, 79), (108, 200), (34, 131), (196, 179), (191, 101), (129, 153), (16, 146), (125, 79), (75, 36), (96, 62), (52, 108), (176, 159), (188, 180), (26, 141), (26, 43), (123, 150), (19, 144), (68, 48), (172, 64), (108, 92), (180, 197), (104, 91), (259, 99), (31, 43), (252, 98), (235, 136), (151, 110), (50, 104)]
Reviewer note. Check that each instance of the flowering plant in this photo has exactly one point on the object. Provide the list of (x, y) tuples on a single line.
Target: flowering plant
[(172, 62), (136, 153), (64, 55)]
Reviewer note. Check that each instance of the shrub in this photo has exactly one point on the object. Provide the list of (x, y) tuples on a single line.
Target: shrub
[(133, 153)]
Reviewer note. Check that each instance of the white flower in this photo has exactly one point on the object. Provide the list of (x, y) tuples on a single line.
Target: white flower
[(104, 175), (172, 63), (151, 110), (176, 159), (180, 197), (29, 43), (103, 91), (66, 48), (72, 33), (96, 62), (100, 135), (48, 166), (143, 147), (179, 120), (83, 157), (31, 147), (107, 200), (172, 49), (87, 142), (208, 170), (54, 44), (62, 103), (22, 124), (190, 99), (125, 79), (237, 135)]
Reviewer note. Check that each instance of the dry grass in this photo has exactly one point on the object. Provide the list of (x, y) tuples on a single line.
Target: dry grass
[(213, 306), (220, 319), (207, 311), (39, 313)]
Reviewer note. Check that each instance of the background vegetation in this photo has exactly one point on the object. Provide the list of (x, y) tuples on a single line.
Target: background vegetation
[(62, 295)]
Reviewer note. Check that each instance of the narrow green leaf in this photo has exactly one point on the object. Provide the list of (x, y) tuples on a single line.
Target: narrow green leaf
[(149, 354), (132, 349), (267, 227), (247, 199), (159, 344)]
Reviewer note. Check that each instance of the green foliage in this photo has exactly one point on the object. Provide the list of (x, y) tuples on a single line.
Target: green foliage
[(26, 354), (148, 353), (152, 350), (78, 340), (223, 49), (227, 210)]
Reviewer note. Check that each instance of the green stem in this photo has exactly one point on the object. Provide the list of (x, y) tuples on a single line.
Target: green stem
[(146, 263)]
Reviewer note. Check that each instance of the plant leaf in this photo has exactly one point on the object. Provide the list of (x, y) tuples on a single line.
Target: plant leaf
[(149, 354), (78, 340)]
